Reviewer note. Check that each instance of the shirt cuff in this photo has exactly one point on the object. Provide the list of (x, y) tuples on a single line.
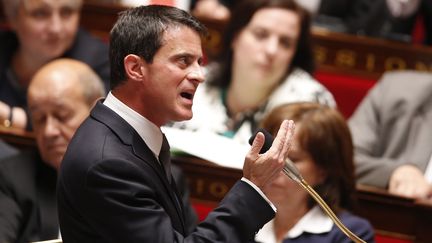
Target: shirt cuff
[(260, 192)]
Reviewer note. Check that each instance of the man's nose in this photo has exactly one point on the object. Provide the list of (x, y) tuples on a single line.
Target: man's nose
[(51, 127), (197, 74), (55, 23)]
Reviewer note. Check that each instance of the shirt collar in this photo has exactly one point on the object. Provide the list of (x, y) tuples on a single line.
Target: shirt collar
[(148, 131), (314, 221)]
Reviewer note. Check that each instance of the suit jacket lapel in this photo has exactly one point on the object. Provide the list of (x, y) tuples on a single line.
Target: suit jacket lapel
[(144, 154), (129, 136)]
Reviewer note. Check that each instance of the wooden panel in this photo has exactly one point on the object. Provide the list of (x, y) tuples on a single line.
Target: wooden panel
[(17, 137), (208, 182), (99, 18), (367, 57)]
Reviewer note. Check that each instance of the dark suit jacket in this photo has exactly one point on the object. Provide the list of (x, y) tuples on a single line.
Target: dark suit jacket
[(28, 209), (111, 188)]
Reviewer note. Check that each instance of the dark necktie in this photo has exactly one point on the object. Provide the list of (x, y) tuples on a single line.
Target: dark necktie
[(164, 158)]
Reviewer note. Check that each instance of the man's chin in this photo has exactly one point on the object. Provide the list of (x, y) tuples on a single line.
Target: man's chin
[(54, 159), (184, 116)]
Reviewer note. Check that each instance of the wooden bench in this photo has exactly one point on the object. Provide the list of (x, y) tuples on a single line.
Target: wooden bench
[(17, 137)]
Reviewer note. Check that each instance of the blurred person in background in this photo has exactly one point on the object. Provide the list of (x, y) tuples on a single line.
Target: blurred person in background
[(322, 151), (392, 136), (40, 31), (266, 61), (217, 10)]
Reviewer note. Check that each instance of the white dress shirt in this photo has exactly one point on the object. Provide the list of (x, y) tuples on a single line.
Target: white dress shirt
[(149, 132)]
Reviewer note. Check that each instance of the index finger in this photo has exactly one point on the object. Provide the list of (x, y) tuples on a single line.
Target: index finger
[(282, 137), (257, 144)]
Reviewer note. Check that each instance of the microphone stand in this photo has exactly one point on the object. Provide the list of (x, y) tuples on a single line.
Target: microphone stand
[(292, 172)]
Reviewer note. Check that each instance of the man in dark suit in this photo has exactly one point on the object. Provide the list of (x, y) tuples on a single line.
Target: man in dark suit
[(114, 183)]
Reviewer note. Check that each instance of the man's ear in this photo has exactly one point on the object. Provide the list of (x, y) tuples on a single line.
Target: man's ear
[(135, 67)]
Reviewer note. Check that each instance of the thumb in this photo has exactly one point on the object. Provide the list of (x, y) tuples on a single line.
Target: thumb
[(257, 144)]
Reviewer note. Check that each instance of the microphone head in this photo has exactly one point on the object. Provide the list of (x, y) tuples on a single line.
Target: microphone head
[(268, 141)]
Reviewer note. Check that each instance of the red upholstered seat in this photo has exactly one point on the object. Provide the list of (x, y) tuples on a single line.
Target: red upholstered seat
[(348, 91)]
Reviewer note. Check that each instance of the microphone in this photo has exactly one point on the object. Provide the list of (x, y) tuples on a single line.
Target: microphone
[(268, 141), (289, 169)]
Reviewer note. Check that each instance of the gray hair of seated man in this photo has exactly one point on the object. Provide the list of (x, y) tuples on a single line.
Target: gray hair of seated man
[(11, 7)]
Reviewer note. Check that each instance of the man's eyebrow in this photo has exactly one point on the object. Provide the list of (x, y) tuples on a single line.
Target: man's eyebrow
[(188, 56), (34, 107), (185, 54)]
